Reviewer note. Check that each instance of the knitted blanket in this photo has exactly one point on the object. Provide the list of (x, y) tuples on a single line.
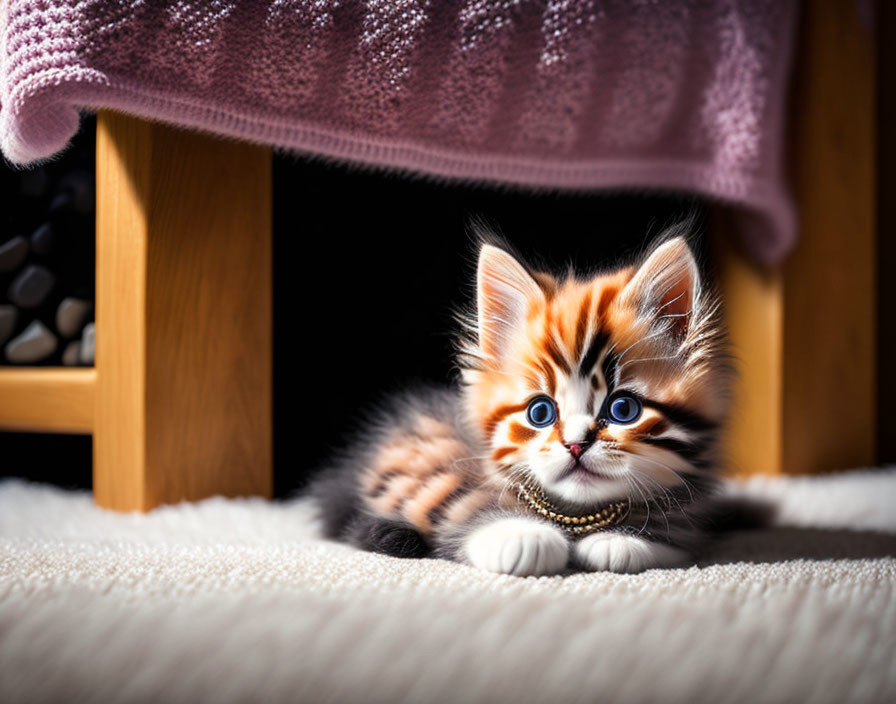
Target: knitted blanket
[(563, 94), (240, 600)]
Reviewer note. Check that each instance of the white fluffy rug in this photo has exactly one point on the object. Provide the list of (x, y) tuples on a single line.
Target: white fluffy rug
[(238, 601)]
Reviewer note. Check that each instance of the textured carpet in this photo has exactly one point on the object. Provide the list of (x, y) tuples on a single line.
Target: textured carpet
[(238, 600)]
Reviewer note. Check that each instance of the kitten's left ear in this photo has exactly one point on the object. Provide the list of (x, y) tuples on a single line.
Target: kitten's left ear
[(505, 290), (666, 286)]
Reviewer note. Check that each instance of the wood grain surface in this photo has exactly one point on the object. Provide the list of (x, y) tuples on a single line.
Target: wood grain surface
[(47, 399), (829, 403), (183, 316)]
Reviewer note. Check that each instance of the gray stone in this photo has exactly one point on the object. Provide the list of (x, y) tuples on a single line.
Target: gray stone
[(8, 316), (60, 203), (13, 253), (70, 316), (88, 341), (31, 287), (42, 239), (32, 345), (71, 354)]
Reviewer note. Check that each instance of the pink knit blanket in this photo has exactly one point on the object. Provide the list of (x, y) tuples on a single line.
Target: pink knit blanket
[(684, 95)]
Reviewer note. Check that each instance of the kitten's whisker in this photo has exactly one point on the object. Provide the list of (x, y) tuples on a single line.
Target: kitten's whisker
[(648, 500), (633, 485), (518, 474), (661, 493), (666, 305), (667, 497), (646, 359), (681, 510), (682, 480), (467, 459), (622, 354)]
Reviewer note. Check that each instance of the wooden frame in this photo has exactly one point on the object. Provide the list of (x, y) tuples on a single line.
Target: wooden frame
[(180, 400), (47, 400)]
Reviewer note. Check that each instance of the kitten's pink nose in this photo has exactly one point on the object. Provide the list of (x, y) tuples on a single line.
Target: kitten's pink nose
[(576, 448)]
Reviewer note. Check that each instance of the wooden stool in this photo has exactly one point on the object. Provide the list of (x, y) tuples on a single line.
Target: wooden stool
[(179, 402)]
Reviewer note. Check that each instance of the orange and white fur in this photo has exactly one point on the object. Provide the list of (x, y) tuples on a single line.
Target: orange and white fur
[(586, 391)]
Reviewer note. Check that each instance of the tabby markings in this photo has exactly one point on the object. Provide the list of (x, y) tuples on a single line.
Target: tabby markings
[(582, 325), (598, 342), (682, 417), (552, 348), (430, 495), (519, 433), (502, 452), (607, 296), (463, 508), (499, 414)]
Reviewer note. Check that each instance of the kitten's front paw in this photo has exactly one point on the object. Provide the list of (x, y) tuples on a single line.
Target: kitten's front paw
[(618, 552), (518, 546)]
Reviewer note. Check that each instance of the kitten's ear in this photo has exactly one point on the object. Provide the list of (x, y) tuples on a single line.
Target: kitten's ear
[(504, 292), (666, 286)]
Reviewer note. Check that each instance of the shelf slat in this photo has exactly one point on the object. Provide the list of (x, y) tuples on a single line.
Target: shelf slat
[(47, 399)]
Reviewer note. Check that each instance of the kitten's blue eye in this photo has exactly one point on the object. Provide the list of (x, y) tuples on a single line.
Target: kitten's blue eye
[(624, 409), (541, 412)]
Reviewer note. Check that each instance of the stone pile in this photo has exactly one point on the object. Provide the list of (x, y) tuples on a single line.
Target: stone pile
[(47, 254)]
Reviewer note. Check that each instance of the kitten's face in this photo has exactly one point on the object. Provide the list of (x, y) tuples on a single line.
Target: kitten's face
[(599, 389)]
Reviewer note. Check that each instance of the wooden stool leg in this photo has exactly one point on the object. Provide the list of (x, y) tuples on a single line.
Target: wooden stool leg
[(805, 334), (183, 350), (754, 305)]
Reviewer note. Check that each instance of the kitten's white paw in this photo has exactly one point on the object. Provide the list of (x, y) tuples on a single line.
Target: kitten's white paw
[(618, 552), (518, 546)]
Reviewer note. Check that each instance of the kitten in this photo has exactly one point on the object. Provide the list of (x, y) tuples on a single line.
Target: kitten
[(584, 433)]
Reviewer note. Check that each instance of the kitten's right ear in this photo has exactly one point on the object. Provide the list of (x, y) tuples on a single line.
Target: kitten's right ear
[(666, 286), (504, 293)]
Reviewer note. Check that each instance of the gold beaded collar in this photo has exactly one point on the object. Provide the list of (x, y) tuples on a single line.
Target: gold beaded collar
[(610, 515)]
